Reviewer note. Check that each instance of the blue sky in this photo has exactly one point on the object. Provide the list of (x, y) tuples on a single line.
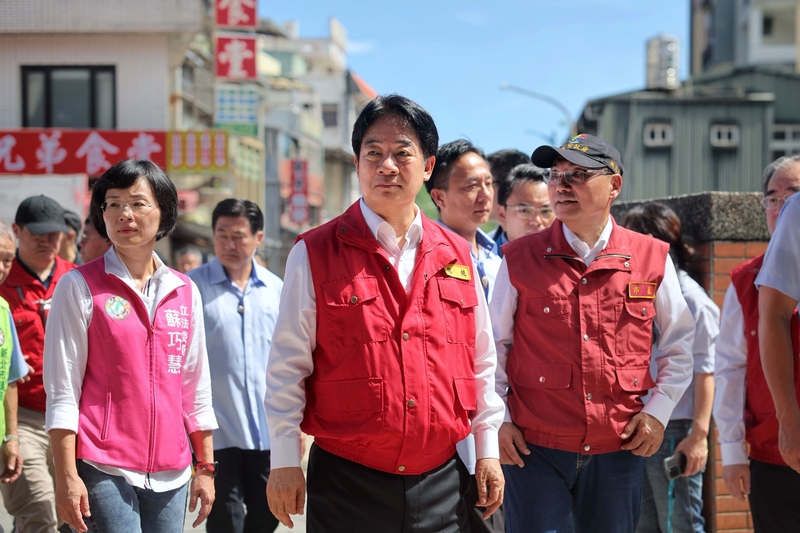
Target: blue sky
[(452, 56)]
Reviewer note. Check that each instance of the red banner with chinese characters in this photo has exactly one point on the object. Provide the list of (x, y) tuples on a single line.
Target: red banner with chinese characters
[(92, 152), (240, 14), (298, 198), (235, 57)]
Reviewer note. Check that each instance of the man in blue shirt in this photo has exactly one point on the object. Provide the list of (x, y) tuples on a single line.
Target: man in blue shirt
[(240, 306)]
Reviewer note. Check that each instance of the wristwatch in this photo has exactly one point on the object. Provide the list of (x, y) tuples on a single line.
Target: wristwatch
[(9, 438), (208, 467)]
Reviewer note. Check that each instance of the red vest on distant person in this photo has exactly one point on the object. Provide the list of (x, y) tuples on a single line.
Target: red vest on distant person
[(580, 362), (760, 422), (131, 408), (393, 384)]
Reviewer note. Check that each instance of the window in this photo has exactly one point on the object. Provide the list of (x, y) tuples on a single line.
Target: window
[(766, 27), (724, 135), (330, 115), (68, 97), (785, 140), (657, 134)]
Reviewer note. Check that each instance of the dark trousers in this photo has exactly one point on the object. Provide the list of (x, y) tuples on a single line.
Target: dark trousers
[(344, 496), (602, 492), (495, 523), (774, 498), (241, 481)]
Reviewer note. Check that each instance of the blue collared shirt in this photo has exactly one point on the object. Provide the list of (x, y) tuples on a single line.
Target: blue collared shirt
[(239, 328), (487, 262)]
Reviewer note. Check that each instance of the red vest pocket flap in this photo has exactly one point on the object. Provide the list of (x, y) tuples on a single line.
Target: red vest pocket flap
[(641, 309), (545, 376), (460, 293), (349, 292), (349, 396), (466, 393), (635, 378)]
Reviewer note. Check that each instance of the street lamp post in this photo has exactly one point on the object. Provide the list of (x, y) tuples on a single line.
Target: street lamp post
[(549, 99)]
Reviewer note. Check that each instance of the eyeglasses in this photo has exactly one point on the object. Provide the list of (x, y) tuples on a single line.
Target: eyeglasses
[(529, 211), (573, 177), (137, 207), (774, 202)]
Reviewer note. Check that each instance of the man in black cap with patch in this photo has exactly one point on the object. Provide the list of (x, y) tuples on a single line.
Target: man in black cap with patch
[(39, 227), (573, 313)]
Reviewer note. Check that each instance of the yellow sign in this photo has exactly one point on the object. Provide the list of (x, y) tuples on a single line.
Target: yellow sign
[(200, 152), (642, 289), (458, 272)]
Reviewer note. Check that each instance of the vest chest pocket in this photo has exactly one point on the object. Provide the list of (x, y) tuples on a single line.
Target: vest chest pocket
[(459, 301), (634, 335), (355, 310)]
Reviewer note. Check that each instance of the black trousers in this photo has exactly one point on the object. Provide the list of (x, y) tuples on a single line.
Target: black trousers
[(774, 498), (344, 496), (241, 481)]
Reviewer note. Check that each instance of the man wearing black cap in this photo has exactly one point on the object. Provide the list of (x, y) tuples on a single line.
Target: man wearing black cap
[(39, 227), (573, 313)]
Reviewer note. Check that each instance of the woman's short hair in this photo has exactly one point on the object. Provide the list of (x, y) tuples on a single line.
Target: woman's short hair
[(122, 176)]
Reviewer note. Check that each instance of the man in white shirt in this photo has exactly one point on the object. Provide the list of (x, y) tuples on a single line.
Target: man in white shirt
[(383, 352), (573, 314)]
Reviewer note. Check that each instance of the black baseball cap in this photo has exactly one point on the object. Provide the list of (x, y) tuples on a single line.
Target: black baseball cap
[(583, 150), (40, 215)]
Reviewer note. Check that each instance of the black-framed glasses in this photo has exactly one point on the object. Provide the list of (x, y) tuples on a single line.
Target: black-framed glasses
[(573, 177), (529, 211)]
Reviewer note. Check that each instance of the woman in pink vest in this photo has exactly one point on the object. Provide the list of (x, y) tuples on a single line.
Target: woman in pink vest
[(743, 407), (126, 371)]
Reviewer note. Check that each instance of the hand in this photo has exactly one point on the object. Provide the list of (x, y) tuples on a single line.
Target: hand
[(491, 484), (202, 489), (27, 377), (511, 440), (72, 500), (695, 448), (737, 479), (645, 433), (286, 493), (789, 441), (12, 461)]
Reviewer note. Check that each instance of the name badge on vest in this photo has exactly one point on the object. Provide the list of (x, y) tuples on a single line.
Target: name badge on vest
[(458, 272), (118, 307), (642, 289)]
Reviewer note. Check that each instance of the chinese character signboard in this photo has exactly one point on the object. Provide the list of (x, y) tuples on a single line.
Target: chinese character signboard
[(237, 108), (239, 14), (197, 151), (298, 197), (235, 57), (92, 152)]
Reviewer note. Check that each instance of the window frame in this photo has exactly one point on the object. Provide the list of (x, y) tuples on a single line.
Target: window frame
[(48, 70)]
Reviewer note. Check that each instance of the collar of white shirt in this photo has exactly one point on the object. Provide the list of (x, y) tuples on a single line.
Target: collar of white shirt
[(385, 233), (582, 249)]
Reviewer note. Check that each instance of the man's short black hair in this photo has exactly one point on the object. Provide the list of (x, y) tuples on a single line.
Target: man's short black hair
[(525, 173), (395, 105), (237, 207), (502, 161), (447, 155), (122, 176)]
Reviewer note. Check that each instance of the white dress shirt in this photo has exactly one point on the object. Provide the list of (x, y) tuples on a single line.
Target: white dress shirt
[(673, 320), (66, 350), (293, 343)]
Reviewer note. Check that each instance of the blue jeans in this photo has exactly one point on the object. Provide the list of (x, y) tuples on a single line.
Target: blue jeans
[(675, 505), (603, 492), (119, 507)]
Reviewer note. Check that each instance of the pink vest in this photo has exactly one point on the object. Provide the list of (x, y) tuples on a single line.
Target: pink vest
[(580, 361), (131, 410), (761, 424), (394, 381)]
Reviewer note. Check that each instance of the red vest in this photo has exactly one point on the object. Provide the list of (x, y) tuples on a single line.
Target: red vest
[(760, 422), (393, 385), (22, 292), (580, 362), (132, 390)]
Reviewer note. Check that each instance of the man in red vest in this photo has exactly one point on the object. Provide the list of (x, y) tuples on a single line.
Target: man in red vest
[(573, 312), (39, 227), (383, 352)]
